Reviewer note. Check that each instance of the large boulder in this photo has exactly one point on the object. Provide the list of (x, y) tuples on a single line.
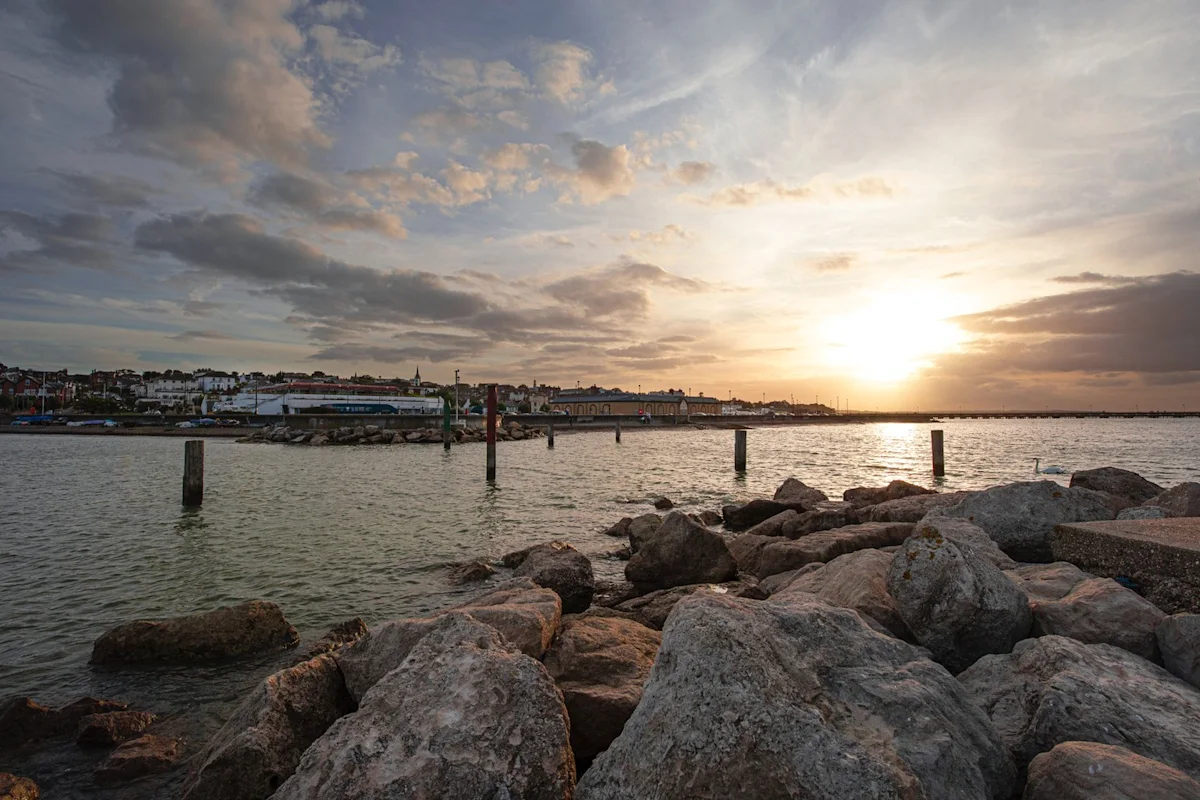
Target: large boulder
[(798, 699), (855, 580), (747, 515), (252, 627), (908, 509), (1180, 501), (795, 492), (773, 526), (600, 664), (462, 717), (1021, 517), (1067, 601), (642, 529), (1091, 771), (560, 567), (863, 496), (972, 540), (1143, 512), (1179, 641), (681, 553), (525, 614), (772, 556), (261, 744), (817, 520), (15, 788), (1053, 689), (955, 601), (653, 609), (1124, 487)]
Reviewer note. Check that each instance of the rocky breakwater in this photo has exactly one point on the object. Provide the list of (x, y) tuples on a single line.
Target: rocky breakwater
[(511, 431)]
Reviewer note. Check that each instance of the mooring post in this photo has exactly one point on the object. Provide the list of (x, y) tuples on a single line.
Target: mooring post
[(193, 473), (491, 433), (446, 425), (618, 431), (739, 451), (939, 456), (550, 435)]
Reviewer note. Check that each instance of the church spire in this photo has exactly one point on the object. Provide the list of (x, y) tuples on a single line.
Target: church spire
[(417, 379)]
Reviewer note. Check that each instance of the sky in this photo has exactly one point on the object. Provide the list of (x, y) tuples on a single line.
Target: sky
[(889, 204)]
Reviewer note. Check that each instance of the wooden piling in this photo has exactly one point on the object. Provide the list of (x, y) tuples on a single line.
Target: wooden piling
[(550, 435), (618, 432), (491, 433), (739, 451), (446, 437), (193, 473), (939, 456)]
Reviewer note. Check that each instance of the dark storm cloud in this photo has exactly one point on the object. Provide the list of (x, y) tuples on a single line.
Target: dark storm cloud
[(323, 204), (106, 190), (621, 289), (72, 239), (237, 246)]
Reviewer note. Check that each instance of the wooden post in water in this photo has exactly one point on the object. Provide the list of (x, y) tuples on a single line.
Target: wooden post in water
[(939, 456), (446, 425), (491, 433), (193, 473), (618, 431), (550, 435), (739, 451)]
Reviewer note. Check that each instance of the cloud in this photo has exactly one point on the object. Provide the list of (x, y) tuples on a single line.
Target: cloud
[(822, 189), (365, 57), (205, 83), (448, 123), (512, 157), (333, 10), (669, 234), (188, 336), (1094, 277), (620, 289), (835, 262), (105, 190), (692, 172), (600, 173), (37, 242), (563, 72), (323, 204), (514, 118)]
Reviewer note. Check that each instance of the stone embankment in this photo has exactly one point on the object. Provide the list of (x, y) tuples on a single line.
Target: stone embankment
[(896, 643), (373, 434)]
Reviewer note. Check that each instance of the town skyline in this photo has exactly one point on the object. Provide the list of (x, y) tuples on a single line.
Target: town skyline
[(907, 205)]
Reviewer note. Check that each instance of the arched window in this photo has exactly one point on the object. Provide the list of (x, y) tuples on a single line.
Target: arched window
[(579, 409), (592, 410), (607, 409)]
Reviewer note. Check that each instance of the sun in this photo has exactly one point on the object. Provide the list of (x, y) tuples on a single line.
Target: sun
[(891, 338)]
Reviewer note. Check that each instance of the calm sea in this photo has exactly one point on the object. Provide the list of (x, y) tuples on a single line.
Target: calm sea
[(92, 533)]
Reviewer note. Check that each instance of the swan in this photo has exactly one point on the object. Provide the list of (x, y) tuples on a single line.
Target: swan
[(1050, 470)]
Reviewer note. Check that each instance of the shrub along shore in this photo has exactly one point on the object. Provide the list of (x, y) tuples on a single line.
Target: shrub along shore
[(1029, 640)]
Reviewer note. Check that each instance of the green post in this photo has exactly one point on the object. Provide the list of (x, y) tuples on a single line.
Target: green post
[(445, 423)]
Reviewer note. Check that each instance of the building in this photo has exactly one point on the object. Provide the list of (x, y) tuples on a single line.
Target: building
[(656, 404), (220, 382), (326, 398), (169, 389)]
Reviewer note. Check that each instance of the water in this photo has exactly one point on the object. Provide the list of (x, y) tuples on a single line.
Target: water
[(93, 535)]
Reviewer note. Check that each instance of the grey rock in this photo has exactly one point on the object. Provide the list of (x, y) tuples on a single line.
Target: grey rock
[(1053, 689), (680, 553), (956, 602), (795, 491), (855, 580), (653, 609), (1143, 512), (1090, 771), (775, 555), (773, 526), (799, 699), (747, 515), (1048, 581), (1126, 488), (642, 529), (663, 504), (817, 520), (972, 540), (462, 717), (1179, 640), (709, 518), (146, 755), (864, 496), (1179, 501), (261, 744), (562, 568), (112, 728), (1021, 517), (908, 509), (471, 572), (344, 633), (1101, 611), (620, 529)]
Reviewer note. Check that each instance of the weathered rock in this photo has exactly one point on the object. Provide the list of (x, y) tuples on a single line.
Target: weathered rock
[(261, 744), (663, 504), (318, 439), (956, 602), (112, 728), (863, 496), (709, 517), (972, 540), (146, 755), (653, 609), (642, 529), (799, 699), (600, 664), (339, 636), (740, 518), (250, 627), (680, 553), (1143, 512), (1124, 487), (796, 492), (525, 615), (1021, 517), (1090, 771), (773, 526), (855, 580), (462, 717), (14, 788), (1053, 689), (817, 520), (621, 528), (563, 569), (777, 556), (1179, 641), (612, 593), (1100, 611), (1179, 501), (1048, 581), (909, 509), (22, 720)]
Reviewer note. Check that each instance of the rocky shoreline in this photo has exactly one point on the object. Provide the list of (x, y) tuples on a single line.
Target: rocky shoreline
[(896, 643), (374, 434)]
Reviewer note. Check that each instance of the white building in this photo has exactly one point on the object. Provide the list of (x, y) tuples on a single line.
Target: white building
[(317, 398), (174, 388), (216, 382)]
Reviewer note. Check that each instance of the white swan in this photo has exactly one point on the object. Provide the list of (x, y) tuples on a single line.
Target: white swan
[(1050, 470)]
